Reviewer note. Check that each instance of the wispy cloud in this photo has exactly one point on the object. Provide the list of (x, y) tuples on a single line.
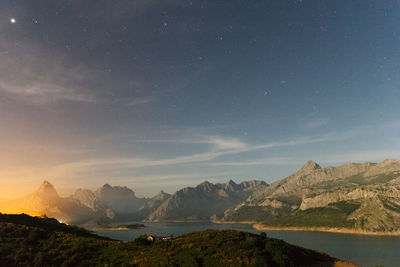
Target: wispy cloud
[(221, 147), (255, 162), (42, 92), (217, 142), (140, 101), (227, 143)]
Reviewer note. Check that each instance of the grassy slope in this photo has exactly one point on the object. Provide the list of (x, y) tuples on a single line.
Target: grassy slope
[(23, 244), (335, 215)]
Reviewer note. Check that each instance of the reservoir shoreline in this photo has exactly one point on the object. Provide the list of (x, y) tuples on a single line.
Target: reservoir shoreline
[(261, 227)]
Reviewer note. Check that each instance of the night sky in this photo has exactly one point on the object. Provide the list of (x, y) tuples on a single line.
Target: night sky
[(165, 94)]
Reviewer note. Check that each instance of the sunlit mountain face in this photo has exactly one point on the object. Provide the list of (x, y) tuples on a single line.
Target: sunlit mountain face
[(161, 95), (34, 204)]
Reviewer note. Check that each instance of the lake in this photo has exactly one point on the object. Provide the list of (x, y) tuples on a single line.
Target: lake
[(360, 249)]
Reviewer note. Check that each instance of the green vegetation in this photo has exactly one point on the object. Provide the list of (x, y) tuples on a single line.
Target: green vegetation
[(392, 206), (257, 213), (357, 179), (291, 200), (121, 226), (335, 215), (46, 224), (384, 178), (22, 244), (347, 207), (133, 226)]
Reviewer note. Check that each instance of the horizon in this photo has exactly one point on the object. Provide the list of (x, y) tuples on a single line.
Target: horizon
[(161, 95)]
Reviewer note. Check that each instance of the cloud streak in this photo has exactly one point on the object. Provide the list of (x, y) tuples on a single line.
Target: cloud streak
[(256, 162), (220, 147), (140, 101)]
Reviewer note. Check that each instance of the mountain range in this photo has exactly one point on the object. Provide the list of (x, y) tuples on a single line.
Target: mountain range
[(363, 197)]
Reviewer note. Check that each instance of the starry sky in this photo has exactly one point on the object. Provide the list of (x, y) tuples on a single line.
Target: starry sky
[(165, 94)]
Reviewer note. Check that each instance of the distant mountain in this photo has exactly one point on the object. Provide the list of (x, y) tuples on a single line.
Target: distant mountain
[(153, 203), (356, 196), (119, 203), (89, 199), (206, 201), (46, 201), (121, 199)]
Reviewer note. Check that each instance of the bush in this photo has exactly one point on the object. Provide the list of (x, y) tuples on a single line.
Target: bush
[(142, 241)]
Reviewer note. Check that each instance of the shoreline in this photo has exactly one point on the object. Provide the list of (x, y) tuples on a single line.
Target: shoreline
[(261, 227), (116, 229), (176, 221), (234, 222), (111, 229)]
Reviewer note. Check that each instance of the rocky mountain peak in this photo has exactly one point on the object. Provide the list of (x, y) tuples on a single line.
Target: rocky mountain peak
[(206, 186), (310, 166), (389, 162), (230, 182), (107, 189), (161, 195), (231, 185), (253, 183), (47, 189)]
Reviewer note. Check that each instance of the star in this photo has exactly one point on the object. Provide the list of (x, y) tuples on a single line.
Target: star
[(13, 21)]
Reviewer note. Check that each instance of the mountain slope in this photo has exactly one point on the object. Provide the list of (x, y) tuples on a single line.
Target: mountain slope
[(357, 196), (205, 201), (117, 202), (46, 201), (120, 199), (153, 203)]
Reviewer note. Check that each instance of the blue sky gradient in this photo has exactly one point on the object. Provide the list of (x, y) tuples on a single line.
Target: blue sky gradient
[(165, 94)]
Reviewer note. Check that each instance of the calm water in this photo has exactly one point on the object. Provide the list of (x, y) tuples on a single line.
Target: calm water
[(363, 250)]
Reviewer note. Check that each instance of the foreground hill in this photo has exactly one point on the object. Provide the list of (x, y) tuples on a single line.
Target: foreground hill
[(361, 197), (28, 241)]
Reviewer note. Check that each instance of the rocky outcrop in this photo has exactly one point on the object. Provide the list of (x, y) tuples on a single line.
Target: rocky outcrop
[(87, 198)]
